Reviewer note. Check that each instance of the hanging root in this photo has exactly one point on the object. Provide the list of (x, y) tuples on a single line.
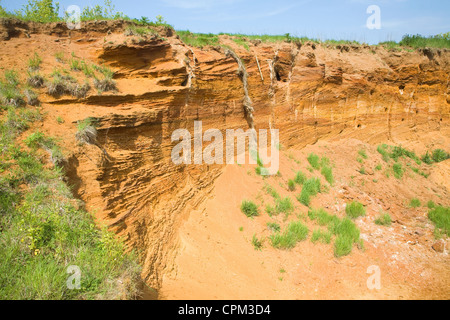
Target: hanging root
[(242, 72)]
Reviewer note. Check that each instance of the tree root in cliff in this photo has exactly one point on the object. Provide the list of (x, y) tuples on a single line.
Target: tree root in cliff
[(242, 72)]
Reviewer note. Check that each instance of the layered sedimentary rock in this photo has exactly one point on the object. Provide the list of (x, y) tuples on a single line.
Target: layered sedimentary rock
[(307, 91)]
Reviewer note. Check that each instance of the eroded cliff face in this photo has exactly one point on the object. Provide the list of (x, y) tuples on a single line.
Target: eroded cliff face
[(307, 91)]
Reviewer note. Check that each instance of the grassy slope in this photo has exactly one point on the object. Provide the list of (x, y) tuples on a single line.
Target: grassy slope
[(42, 229)]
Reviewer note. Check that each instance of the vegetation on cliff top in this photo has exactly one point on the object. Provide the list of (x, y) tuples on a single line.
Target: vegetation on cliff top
[(49, 11)]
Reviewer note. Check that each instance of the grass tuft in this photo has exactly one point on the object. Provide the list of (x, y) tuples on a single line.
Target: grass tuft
[(383, 220), (249, 208), (355, 210)]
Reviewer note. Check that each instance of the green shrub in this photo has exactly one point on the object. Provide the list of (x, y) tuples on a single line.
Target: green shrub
[(355, 210), (440, 216), (415, 203), (383, 220), (249, 208), (40, 11), (378, 167)]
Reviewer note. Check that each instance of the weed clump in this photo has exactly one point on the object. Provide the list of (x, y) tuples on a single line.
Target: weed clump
[(249, 208), (415, 203), (87, 133), (257, 243), (300, 178), (294, 233), (440, 216), (355, 210), (383, 220), (311, 188), (314, 161), (322, 236)]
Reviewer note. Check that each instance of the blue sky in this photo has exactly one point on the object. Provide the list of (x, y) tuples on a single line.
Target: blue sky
[(323, 19)]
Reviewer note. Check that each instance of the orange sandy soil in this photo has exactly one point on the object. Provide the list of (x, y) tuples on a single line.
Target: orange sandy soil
[(218, 261)]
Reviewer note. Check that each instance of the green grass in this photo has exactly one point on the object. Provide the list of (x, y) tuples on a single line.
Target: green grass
[(294, 233), (327, 172), (418, 41), (347, 234), (249, 208), (321, 217), (34, 62), (415, 203), (431, 204), (322, 236), (270, 210), (440, 155), (345, 231), (363, 153), (383, 220), (284, 205), (42, 233), (198, 40), (355, 210), (271, 191), (86, 131), (311, 188), (382, 149), (378, 168), (59, 56), (440, 216), (274, 227), (314, 161), (35, 80), (436, 156), (300, 178), (241, 42), (398, 170), (257, 243), (291, 185)]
